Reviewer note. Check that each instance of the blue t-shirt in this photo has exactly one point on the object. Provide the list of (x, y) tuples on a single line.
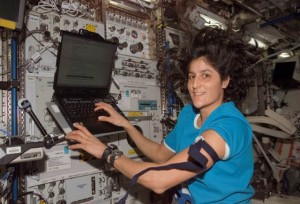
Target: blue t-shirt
[(228, 181)]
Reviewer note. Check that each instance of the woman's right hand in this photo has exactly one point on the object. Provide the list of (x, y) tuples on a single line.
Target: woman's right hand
[(85, 141), (114, 117)]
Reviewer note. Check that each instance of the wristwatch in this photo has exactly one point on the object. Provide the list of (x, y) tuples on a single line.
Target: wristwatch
[(108, 151), (116, 154)]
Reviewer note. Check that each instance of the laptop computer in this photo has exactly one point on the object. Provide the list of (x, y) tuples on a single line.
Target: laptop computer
[(282, 76), (82, 78)]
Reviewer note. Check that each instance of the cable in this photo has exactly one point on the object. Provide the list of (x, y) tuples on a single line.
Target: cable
[(274, 170), (18, 67), (45, 33), (32, 193), (47, 6), (5, 176), (69, 8), (9, 179), (5, 132)]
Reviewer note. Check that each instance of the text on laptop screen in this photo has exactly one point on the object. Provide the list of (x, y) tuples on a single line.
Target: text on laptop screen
[(84, 62)]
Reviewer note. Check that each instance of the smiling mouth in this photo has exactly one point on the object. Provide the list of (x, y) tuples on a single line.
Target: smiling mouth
[(198, 93)]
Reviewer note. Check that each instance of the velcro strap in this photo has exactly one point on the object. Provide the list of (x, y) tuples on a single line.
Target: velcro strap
[(181, 166), (194, 152)]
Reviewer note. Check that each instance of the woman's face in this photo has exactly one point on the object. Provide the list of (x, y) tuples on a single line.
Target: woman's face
[(205, 85)]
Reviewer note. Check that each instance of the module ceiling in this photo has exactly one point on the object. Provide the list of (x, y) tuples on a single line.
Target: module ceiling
[(276, 22)]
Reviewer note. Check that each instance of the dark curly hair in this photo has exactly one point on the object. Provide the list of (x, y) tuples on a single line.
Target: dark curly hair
[(226, 51)]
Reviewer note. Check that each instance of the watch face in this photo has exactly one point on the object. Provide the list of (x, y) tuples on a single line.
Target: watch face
[(118, 154), (113, 146)]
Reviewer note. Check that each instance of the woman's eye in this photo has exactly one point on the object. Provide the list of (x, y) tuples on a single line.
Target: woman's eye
[(205, 75), (191, 77)]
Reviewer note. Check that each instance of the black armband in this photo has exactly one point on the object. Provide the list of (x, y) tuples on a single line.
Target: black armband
[(198, 157)]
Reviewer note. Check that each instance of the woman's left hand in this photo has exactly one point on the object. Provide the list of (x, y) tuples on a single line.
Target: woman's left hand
[(86, 141)]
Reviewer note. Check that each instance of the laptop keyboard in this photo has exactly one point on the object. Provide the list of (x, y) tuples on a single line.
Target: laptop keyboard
[(79, 108)]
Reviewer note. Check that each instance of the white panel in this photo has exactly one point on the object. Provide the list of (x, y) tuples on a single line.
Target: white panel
[(142, 105), (62, 163), (92, 189), (131, 33), (132, 70)]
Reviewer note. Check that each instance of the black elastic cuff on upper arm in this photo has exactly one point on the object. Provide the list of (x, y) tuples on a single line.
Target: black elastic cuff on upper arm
[(197, 156)]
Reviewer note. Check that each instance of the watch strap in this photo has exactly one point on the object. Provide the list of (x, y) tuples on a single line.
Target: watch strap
[(108, 151), (116, 154)]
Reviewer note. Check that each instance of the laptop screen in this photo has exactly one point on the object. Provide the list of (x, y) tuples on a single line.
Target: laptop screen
[(84, 62)]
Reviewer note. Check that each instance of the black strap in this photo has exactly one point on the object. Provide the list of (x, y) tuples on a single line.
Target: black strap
[(194, 153), (181, 166)]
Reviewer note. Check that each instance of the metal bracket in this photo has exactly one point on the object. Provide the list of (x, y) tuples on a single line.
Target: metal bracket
[(8, 85)]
